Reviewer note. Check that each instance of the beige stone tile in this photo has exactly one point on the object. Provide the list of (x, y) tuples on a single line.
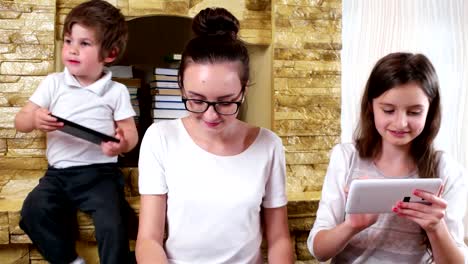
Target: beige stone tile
[(303, 143), (27, 68), (301, 124), (27, 143), (311, 157), (20, 239), (87, 234), (39, 262), (303, 223), (17, 254), (17, 189), (29, 52), (32, 163), (303, 252), (4, 228), (3, 146), (305, 207), (26, 152), (88, 251), (13, 222), (20, 174)]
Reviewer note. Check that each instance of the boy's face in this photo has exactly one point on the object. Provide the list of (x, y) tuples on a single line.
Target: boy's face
[(80, 54)]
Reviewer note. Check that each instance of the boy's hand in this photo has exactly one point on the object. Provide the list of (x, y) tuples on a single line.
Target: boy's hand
[(113, 148), (44, 122)]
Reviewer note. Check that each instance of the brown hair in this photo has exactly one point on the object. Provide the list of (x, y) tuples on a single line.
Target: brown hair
[(108, 22), (390, 71), (215, 41)]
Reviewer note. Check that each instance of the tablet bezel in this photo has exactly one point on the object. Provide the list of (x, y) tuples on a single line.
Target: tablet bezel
[(82, 132), (363, 195)]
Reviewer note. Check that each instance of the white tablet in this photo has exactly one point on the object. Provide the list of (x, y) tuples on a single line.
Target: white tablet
[(380, 195)]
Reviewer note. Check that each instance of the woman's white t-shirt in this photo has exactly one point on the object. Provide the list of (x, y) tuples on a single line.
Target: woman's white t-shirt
[(213, 202)]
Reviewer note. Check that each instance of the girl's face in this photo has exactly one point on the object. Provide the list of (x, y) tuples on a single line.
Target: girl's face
[(217, 82), (400, 114)]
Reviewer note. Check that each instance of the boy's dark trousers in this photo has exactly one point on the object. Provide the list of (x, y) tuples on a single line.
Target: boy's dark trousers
[(48, 215)]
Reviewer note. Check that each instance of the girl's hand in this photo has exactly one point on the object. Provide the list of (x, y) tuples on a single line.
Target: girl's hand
[(428, 216), (113, 148), (44, 122), (360, 222)]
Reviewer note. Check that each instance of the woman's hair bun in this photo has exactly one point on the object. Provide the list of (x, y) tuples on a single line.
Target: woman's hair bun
[(215, 21)]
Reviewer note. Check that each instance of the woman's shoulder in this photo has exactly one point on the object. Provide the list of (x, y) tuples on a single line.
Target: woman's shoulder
[(267, 136), (166, 127)]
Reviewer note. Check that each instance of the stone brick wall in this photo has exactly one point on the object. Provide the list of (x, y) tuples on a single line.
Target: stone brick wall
[(306, 76), (26, 55)]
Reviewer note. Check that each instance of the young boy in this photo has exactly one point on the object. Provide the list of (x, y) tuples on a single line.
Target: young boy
[(81, 175)]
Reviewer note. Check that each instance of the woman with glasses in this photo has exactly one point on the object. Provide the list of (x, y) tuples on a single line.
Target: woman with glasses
[(213, 182)]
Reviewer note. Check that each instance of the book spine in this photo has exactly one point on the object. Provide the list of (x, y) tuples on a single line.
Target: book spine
[(166, 71), (167, 98), (169, 105)]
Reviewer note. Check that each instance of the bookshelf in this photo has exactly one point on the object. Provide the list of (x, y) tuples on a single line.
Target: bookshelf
[(151, 40)]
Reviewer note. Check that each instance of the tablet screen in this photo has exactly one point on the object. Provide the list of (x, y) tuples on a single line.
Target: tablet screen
[(85, 133)]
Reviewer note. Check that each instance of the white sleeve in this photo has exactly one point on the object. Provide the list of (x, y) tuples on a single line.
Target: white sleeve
[(456, 195), (151, 173), (275, 190), (331, 211), (42, 96), (123, 107)]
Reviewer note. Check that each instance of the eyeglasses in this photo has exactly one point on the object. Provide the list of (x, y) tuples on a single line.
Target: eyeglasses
[(222, 108)]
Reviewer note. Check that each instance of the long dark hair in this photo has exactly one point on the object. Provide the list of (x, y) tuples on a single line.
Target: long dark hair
[(390, 71), (215, 41)]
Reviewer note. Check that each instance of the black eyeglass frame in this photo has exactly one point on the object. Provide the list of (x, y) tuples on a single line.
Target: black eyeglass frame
[(208, 104)]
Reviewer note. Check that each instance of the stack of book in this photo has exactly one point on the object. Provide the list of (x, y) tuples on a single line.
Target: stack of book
[(133, 85), (166, 93)]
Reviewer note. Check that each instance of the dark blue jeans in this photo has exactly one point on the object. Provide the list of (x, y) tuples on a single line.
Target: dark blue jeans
[(48, 215)]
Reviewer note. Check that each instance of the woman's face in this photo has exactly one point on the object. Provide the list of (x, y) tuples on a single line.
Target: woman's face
[(217, 82)]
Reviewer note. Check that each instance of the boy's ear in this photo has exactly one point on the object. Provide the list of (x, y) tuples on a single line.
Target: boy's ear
[(111, 56)]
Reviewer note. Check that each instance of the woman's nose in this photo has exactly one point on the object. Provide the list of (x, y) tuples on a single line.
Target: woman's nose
[(211, 112)]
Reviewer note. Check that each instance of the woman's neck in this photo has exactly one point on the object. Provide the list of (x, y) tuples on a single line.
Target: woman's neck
[(395, 160), (233, 139)]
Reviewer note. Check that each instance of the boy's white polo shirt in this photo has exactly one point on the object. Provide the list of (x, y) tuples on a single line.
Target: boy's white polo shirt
[(96, 106)]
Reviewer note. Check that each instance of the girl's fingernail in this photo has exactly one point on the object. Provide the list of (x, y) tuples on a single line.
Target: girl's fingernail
[(395, 209), (416, 192)]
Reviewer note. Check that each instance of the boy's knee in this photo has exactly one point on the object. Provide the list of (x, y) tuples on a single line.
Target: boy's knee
[(31, 207)]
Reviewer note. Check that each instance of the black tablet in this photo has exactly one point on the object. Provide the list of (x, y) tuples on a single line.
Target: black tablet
[(85, 133)]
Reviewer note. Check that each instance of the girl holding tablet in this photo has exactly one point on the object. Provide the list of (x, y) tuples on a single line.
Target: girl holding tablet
[(400, 117)]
